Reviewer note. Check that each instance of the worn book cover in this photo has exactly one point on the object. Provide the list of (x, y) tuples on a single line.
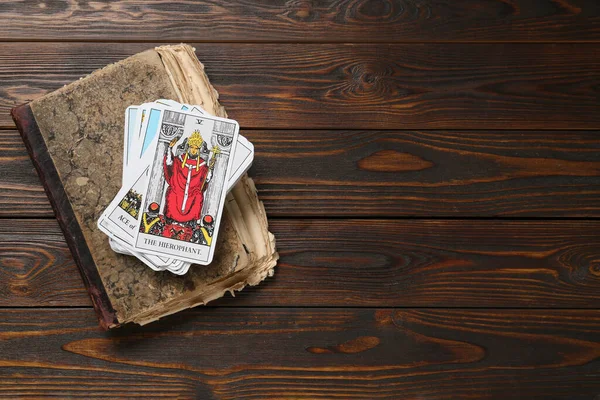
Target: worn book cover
[(74, 136)]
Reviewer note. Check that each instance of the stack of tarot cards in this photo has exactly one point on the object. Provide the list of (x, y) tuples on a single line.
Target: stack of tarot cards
[(179, 162)]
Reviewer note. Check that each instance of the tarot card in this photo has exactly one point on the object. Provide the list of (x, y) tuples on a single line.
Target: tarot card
[(130, 131), (186, 186), (242, 160)]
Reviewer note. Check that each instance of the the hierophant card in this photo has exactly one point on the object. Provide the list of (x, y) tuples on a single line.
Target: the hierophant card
[(184, 194)]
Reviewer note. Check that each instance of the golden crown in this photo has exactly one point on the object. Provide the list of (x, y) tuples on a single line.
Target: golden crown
[(195, 139)]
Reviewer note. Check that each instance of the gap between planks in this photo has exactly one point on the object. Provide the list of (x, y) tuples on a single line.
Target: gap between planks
[(333, 307), (308, 42)]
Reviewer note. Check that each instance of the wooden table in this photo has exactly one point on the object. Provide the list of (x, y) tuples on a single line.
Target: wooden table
[(430, 168)]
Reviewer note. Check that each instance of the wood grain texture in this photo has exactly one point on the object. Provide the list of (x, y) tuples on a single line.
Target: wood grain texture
[(291, 353), (427, 173), (298, 21), (36, 266), (357, 108), (361, 263), (389, 173), (349, 86), (21, 192)]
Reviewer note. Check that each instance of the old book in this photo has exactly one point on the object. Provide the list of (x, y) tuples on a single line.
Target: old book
[(74, 136)]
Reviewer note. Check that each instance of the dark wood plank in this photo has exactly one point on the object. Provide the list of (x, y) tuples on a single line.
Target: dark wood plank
[(347, 86), (298, 21), (400, 263), (428, 173), (21, 192), (36, 266), (389, 173), (293, 353)]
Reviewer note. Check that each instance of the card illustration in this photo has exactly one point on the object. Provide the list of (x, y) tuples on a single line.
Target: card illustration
[(131, 203), (186, 186)]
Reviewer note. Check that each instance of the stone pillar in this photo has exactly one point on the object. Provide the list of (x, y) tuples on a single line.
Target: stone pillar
[(222, 137)]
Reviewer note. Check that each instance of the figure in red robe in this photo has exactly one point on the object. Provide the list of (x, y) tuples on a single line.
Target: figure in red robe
[(187, 176)]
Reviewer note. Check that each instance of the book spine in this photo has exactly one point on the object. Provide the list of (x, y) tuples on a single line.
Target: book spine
[(38, 151)]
